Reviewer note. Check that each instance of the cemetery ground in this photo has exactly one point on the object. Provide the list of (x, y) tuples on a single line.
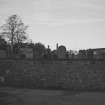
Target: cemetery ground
[(16, 96)]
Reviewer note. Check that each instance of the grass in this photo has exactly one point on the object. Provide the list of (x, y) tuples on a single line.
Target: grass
[(14, 96)]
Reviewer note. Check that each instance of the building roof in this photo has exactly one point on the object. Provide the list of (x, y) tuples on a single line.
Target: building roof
[(98, 49), (62, 47)]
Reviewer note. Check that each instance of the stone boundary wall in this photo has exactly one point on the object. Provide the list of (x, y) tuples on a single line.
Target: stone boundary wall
[(57, 75)]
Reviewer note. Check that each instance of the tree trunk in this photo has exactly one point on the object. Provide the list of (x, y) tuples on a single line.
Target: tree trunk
[(12, 44)]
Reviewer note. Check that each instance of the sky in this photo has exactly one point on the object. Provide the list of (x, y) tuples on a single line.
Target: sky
[(76, 24)]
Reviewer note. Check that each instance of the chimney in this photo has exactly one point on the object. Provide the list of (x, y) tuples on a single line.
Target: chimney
[(48, 47), (57, 46)]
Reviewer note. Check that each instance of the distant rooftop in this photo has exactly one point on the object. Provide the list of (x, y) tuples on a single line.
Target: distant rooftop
[(98, 49)]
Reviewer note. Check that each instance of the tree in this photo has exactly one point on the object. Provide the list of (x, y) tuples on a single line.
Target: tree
[(83, 53), (14, 31), (90, 54), (3, 44), (39, 51)]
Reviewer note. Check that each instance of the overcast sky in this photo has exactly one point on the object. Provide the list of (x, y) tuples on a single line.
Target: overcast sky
[(77, 24)]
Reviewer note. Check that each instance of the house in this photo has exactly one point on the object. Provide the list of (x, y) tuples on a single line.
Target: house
[(99, 53), (61, 52)]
